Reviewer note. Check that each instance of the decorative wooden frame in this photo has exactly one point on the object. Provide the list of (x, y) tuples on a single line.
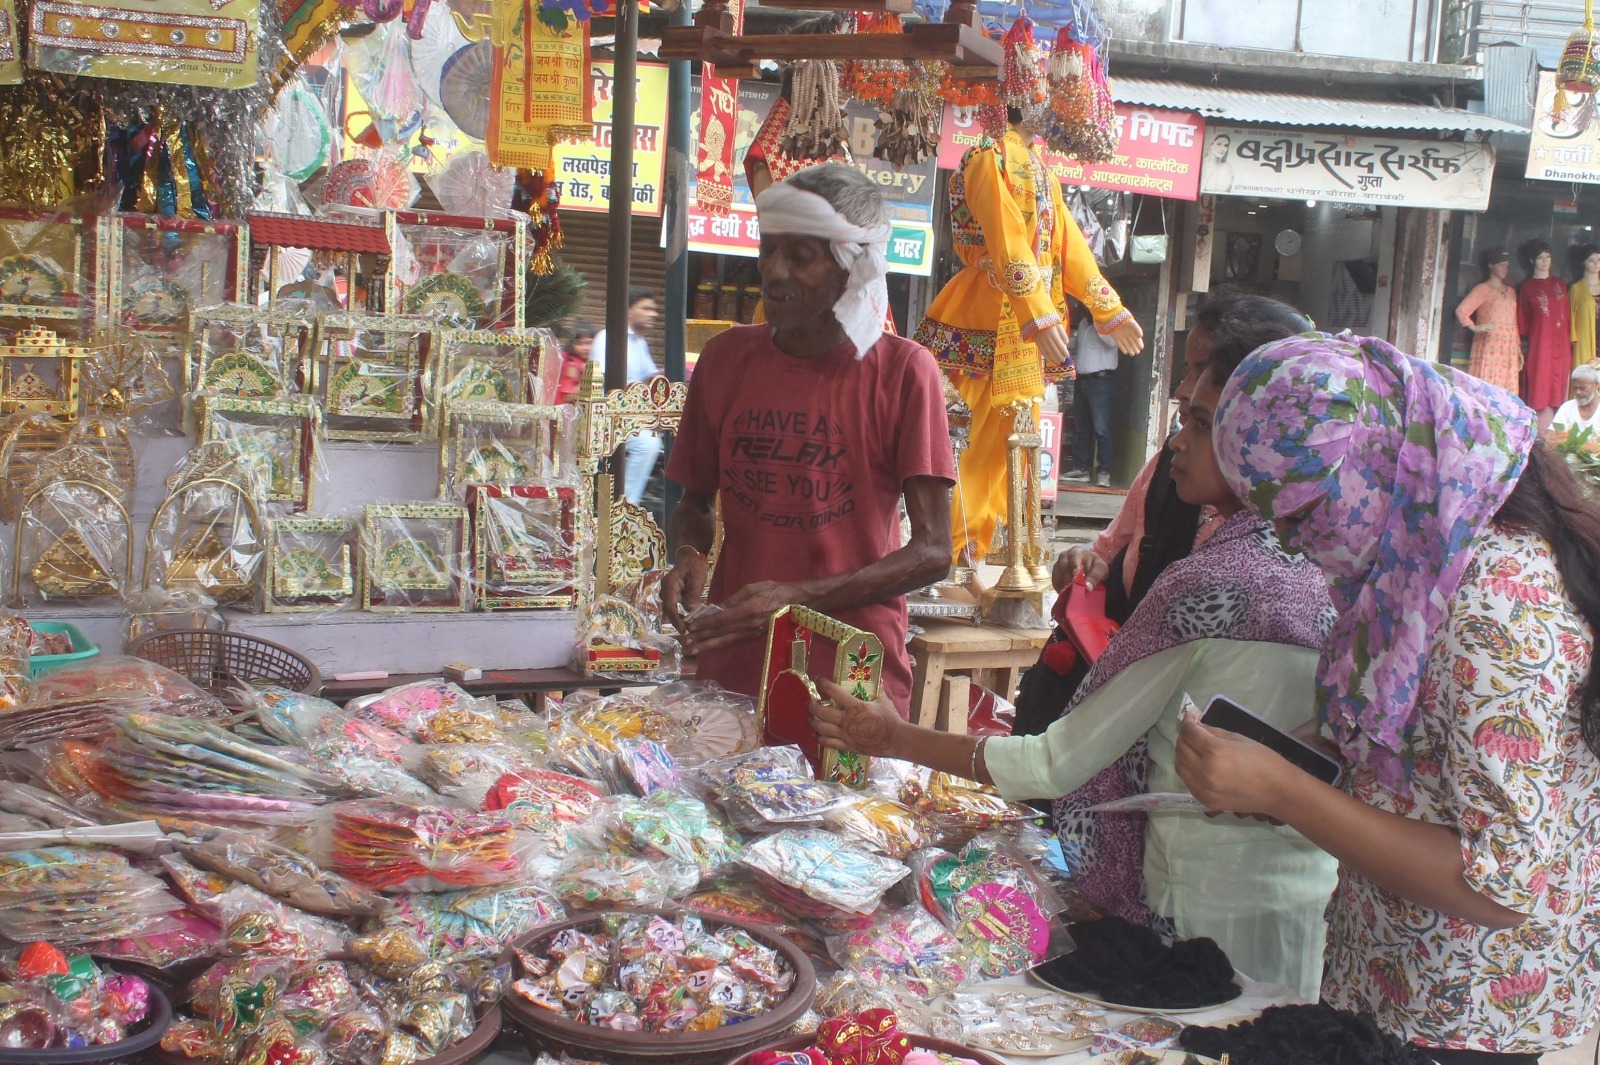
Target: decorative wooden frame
[(413, 226), (202, 369), (26, 392), (215, 466), (782, 712), (84, 277), (516, 359), (627, 540), (409, 415), (232, 240), (363, 246), (375, 556), (538, 424), (280, 596), (546, 571), (81, 470), (294, 468)]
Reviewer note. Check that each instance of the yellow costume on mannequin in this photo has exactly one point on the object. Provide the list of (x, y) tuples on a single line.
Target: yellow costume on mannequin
[(1022, 254)]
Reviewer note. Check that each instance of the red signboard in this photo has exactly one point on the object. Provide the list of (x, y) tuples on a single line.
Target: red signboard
[(1050, 456), (1158, 152)]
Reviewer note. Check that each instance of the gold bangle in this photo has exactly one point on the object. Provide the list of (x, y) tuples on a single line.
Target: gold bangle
[(976, 747)]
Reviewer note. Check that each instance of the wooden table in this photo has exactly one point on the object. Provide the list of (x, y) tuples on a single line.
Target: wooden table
[(950, 656), (531, 685)]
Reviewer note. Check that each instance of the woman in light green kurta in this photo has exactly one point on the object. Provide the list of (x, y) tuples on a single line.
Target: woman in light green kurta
[(1238, 618)]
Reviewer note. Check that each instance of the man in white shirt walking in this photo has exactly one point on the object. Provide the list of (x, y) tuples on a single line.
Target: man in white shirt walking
[(644, 448)]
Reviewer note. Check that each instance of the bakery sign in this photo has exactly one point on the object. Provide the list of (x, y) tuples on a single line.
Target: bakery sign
[(1327, 165)]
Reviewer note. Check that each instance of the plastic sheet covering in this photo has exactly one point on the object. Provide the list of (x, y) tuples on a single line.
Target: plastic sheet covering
[(371, 379), (208, 534), (250, 353), (125, 386), (74, 536), (483, 365), (16, 641), (165, 610), (615, 640), (524, 546), (168, 266), (70, 895), (47, 263), (311, 564), (455, 274), (414, 556), (277, 438), (495, 443)]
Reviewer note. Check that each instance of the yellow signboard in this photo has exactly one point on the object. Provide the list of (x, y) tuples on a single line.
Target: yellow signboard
[(583, 170)]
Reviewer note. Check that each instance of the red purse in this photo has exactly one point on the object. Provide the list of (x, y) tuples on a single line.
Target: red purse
[(1081, 613)]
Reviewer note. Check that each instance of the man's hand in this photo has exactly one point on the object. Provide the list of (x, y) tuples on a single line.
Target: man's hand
[(1075, 561), (1129, 337), (682, 587), (1052, 342), (742, 616), (845, 723)]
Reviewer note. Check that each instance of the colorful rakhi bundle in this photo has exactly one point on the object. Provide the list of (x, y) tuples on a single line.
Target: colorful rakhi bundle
[(395, 846), (77, 895), (1082, 118)]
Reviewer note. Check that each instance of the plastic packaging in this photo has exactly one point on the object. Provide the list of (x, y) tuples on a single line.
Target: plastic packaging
[(611, 881), (248, 352), (86, 701), (278, 438), (413, 557), (908, 949), (371, 379), (995, 904), (78, 894), (714, 723), (16, 656), (165, 609), (824, 868), (208, 535), (255, 923), (394, 846), (882, 826), (74, 538), (546, 803), (482, 921), (615, 640), (524, 546), (956, 807), (311, 564), (284, 874), (431, 711), (672, 825), (489, 441), (457, 271)]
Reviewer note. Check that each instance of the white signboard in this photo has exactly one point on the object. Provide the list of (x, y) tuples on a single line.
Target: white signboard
[(1317, 165), (1565, 148)]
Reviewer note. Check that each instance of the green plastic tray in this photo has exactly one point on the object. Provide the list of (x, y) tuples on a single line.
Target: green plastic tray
[(82, 648)]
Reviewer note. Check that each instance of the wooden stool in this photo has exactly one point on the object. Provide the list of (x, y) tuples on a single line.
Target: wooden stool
[(991, 656)]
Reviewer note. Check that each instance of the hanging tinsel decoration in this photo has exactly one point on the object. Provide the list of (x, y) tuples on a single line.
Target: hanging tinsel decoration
[(1081, 120), (541, 199), (875, 82), (815, 129), (1579, 70), (49, 141), (908, 131)]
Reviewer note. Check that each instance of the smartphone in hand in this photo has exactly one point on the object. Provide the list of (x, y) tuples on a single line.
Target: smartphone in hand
[(1229, 716)]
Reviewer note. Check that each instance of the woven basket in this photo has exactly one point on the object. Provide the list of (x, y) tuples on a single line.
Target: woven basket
[(220, 661)]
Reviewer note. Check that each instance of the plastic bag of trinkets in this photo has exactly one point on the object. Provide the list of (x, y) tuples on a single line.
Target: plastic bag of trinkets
[(820, 874), (1019, 1021), (908, 950), (397, 846), (956, 807), (615, 640), (74, 537)]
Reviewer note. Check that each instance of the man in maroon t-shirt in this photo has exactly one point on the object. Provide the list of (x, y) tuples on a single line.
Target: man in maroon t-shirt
[(811, 428)]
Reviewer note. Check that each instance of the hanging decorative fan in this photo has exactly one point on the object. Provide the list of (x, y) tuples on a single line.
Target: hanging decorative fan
[(393, 186), (471, 185), (440, 40), (297, 131), (348, 184), (464, 88)]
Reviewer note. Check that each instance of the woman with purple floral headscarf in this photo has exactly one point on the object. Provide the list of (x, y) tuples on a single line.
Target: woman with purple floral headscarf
[(1464, 561)]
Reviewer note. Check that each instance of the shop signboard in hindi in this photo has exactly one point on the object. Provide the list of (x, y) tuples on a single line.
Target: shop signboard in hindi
[(910, 191), (1323, 165), (583, 170), (1565, 148), (1050, 426), (1158, 152)]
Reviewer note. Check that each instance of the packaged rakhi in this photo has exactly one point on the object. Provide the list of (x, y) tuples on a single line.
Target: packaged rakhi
[(395, 846), (643, 767), (74, 895), (881, 825), (480, 921), (431, 711), (545, 803), (906, 949), (255, 923), (992, 901), (1139, 1034), (186, 935), (825, 868), (761, 764), (956, 807), (670, 825), (1025, 1021), (611, 881), (758, 805), (468, 771), (284, 874)]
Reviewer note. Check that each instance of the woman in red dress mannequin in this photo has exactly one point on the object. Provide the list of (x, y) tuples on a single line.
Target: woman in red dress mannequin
[(1545, 321)]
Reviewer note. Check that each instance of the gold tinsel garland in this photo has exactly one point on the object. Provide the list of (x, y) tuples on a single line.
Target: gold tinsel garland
[(51, 136)]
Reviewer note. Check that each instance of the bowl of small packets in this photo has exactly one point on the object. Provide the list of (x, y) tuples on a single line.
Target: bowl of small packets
[(648, 987)]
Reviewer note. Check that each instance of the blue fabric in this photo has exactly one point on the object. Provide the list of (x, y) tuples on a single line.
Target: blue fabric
[(1091, 417)]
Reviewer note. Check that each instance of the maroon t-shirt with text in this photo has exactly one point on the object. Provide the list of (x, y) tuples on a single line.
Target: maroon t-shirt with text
[(810, 457)]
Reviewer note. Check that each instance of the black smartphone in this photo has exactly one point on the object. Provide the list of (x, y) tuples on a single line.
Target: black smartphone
[(1225, 714)]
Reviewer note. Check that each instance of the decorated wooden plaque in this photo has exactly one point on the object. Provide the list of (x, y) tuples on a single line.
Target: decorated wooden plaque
[(803, 644)]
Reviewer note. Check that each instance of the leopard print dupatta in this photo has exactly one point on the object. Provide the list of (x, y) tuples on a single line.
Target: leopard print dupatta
[(1242, 586)]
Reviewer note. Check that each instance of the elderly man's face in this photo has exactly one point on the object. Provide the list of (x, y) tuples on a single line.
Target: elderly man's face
[(800, 280), (1583, 391)]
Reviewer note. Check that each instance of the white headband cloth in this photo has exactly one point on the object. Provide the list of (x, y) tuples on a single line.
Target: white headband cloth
[(784, 210)]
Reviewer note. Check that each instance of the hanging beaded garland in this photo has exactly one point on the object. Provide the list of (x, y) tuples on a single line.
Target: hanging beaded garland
[(908, 131), (874, 81), (1081, 120), (815, 129)]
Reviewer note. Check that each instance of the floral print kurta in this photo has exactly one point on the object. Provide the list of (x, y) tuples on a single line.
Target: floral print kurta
[(1501, 757)]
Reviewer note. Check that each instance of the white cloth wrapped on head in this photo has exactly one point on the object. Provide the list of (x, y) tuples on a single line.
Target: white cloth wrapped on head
[(785, 210)]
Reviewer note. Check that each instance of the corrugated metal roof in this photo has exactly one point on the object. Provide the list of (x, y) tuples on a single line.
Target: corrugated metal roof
[(1291, 109)]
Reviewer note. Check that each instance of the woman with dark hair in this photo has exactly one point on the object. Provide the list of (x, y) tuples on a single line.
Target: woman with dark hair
[(1464, 561), (1239, 618), (1155, 527), (1545, 322)]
